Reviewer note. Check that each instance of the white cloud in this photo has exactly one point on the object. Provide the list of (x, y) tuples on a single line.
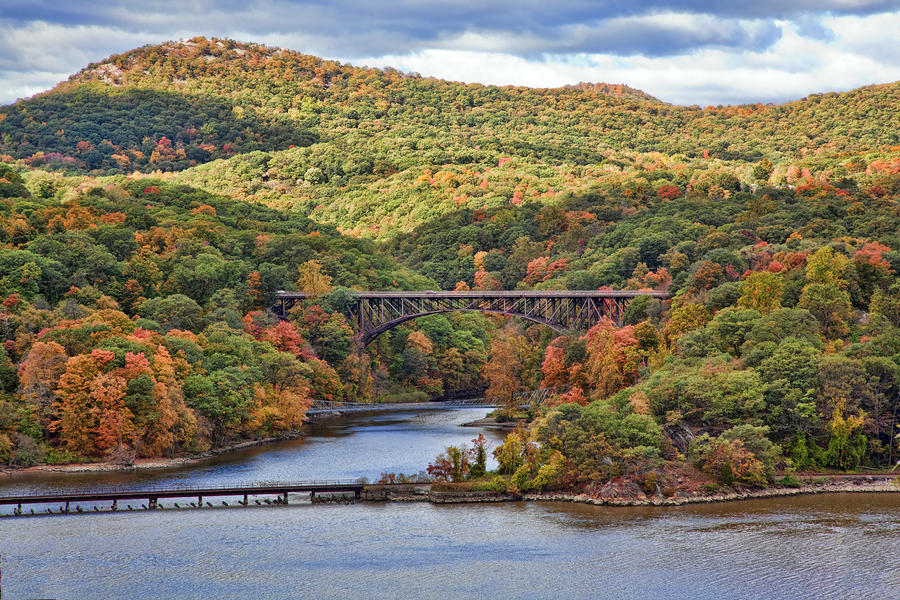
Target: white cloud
[(862, 53), (37, 55), (24, 85)]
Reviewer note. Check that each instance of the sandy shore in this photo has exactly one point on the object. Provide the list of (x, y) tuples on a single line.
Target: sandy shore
[(493, 424)]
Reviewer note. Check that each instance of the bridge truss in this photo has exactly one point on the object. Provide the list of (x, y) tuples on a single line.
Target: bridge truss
[(373, 313)]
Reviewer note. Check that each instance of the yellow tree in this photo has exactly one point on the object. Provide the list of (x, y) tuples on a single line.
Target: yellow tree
[(761, 291), (846, 444), (686, 318), (283, 399), (827, 267), (313, 279), (502, 372), (39, 376)]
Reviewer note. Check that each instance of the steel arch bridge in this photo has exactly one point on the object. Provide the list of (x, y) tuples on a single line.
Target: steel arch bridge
[(373, 313)]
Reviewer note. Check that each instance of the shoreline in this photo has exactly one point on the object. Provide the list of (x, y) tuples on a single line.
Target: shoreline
[(142, 464), (419, 493), (491, 423), (146, 464)]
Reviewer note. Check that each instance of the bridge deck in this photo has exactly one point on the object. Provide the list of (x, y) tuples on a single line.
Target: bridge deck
[(492, 294), (371, 313), (273, 489)]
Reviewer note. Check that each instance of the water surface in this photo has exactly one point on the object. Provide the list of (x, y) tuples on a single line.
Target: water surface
[(828, 546)]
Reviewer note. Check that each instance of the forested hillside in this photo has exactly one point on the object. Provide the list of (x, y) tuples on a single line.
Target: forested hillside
[(155, 202), (133, 321)]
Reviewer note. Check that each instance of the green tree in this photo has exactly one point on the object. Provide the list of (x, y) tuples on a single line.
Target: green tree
[(761, 292), (763, 169), (829, 305), (174, 312)]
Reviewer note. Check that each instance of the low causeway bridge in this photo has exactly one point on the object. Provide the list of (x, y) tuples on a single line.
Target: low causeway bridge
[(60, 502), (373, 313)]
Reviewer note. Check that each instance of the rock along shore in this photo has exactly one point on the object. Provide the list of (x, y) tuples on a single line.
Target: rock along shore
[(424, 493)]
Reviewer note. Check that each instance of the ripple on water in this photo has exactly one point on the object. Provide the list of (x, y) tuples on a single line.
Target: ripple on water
[(421, 550), (831, 546)]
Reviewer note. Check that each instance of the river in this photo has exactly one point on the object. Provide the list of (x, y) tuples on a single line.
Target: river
[(828, 546)]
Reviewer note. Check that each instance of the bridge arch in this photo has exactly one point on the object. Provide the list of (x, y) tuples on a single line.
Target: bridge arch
[(373, 313), (370, 336)]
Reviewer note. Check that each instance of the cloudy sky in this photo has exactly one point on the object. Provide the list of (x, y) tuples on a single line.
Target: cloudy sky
[(681, 51)]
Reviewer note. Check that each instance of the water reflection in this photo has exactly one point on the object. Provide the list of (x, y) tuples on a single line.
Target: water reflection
[(357, 445)]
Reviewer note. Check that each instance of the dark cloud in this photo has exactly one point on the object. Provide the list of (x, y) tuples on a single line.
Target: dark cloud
[(365, 28), (654, 39)]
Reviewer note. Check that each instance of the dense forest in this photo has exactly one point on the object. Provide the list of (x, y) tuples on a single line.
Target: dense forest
[(134, 322), (152, 205)]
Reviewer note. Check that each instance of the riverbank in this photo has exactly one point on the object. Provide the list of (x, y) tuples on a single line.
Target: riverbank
[(425, 493), (142, 464), (492, 423)]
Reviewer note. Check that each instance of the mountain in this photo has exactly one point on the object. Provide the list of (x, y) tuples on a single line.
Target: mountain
[(193, 101), (375, 152), (775, 229)]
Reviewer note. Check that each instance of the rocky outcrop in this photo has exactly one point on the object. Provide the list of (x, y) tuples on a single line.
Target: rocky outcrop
[(680, 435)]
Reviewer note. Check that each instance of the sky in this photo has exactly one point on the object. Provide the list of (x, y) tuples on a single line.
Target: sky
[(681, 51)]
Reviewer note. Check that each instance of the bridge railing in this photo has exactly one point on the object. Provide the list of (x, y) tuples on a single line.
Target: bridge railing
[(189, 489)]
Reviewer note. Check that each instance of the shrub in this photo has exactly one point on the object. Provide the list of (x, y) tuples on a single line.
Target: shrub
[(791, 481), (497, 484), (649, 483), (27, 452)]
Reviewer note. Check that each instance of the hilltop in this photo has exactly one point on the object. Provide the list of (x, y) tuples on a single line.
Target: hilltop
[(178, 104), (376, 152)]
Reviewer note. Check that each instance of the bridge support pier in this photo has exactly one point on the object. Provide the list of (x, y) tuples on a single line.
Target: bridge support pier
[(115, 505), (152, 503), (245, 500), (285, 498), (67, 507), (199, 501)]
